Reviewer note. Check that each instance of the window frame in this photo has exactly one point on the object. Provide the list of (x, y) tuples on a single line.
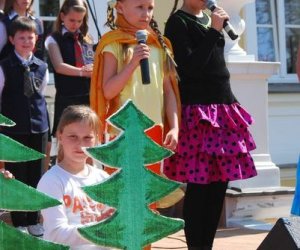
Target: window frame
[(279, 35)]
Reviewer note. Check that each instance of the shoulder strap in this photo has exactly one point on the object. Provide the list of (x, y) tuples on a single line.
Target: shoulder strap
[(181, 17), (185, 17)]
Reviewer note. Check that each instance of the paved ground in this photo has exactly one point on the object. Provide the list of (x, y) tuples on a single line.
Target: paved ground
[(226, 239), (238, 238)]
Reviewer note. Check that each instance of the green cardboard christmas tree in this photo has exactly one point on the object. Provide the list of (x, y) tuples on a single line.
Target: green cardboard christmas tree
[(13, 151), (132, 188), (16, 196)]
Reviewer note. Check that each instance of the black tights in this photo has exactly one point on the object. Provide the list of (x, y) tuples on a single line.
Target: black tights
[(201, 211)]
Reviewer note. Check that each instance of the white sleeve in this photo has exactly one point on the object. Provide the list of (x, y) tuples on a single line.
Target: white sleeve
[(3, 37), (55, 221), (2, 80), (49, 40), (45, 82)]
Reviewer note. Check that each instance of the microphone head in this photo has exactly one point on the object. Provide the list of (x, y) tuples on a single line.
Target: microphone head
[(141, 35), (210, 4)]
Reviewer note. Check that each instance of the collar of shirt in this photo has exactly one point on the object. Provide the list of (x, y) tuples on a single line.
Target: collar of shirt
[(24, 62), (12, 14), (65, 30)]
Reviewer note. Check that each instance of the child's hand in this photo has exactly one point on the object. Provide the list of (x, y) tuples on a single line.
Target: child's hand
[(87, 70), (141, 51), (88, 67), (171, 139), (7, 174), (218, 16)]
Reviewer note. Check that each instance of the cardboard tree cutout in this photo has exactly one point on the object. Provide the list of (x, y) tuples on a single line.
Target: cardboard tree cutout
[(132, 188), (16, 196), (13, 151)]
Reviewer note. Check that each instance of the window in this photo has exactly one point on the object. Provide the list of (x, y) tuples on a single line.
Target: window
[(48, 11), (278, 32)]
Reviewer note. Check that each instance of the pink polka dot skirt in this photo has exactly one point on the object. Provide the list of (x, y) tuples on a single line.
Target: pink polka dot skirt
[(214, 145)]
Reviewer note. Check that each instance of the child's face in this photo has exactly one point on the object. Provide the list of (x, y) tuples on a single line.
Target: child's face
[(24, 42), (73, 20), (195, 4), (21, 4), (138, 13), (73, 137)]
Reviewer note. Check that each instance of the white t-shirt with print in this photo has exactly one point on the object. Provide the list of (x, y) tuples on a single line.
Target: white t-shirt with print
[(77, 209)]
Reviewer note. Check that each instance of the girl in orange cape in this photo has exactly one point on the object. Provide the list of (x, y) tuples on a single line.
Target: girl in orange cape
[(117, 76)]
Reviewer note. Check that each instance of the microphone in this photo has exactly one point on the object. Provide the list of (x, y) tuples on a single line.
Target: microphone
[(141, 37), (211, 5)]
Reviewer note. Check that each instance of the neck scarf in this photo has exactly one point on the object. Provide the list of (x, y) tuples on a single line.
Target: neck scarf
[(124, 34)]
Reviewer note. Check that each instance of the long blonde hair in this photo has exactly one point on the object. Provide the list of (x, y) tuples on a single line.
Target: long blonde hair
[(77, 113)]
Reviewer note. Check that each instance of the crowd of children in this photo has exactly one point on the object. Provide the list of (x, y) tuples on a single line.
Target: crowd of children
[(209, 151)]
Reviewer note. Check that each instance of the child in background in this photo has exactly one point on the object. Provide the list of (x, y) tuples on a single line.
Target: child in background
[(298, 63), (71, 53), (214, 140), (23, 79), (117, 74), (13, 9), (77, 128)]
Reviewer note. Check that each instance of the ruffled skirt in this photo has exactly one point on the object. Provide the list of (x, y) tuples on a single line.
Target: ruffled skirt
[(214, 145)]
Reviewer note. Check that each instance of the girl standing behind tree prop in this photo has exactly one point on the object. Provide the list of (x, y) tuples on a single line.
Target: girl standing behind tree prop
[(78, 127), (13, 9), (214, 140), (117, 75), (70, 49)]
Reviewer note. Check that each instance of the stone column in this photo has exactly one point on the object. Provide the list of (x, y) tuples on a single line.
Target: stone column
[(232, 47), (249, 84)]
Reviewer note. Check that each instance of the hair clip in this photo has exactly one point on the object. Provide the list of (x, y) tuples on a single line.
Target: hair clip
[(112, 3)]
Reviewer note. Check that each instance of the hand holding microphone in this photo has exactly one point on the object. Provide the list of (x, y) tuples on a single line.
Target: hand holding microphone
[(211, 5), (141, 36)]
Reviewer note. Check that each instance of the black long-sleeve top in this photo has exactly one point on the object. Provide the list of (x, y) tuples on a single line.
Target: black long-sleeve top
[(199, 54)]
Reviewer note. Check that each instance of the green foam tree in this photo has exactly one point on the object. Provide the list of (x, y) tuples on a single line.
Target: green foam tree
[(16, 196), (13, 151), (14, 239), (132, 188)]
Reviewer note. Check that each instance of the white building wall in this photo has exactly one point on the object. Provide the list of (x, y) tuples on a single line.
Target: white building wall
[(284, 127)]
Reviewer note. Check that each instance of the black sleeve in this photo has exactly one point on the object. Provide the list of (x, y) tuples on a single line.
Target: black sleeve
[(190, 58)]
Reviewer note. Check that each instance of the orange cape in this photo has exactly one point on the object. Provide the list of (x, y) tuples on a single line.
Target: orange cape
[(104, 108)]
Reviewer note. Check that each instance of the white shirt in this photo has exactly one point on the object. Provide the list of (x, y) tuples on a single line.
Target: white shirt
[(77, 209), (87, 49), (42, 88)]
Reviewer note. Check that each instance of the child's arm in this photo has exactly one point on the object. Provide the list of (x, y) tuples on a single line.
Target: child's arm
[(114, 82), (298, 63), (64, 68), (55, 220), (45, 82), (2, 80), (3, 37), (170, 102)]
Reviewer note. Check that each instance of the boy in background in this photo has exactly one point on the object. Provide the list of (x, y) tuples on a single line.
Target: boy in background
[(23, 79)]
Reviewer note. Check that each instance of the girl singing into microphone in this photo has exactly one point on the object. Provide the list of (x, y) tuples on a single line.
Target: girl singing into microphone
[(117, 75), (214, 140)]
